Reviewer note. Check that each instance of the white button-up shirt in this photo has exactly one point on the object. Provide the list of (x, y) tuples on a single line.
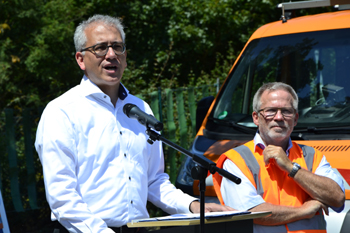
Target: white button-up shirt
[(98, 168)]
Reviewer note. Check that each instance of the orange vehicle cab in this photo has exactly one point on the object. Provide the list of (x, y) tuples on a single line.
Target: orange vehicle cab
[(312, 54)]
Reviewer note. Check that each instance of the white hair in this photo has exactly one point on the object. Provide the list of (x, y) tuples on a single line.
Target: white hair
[(80, 36)]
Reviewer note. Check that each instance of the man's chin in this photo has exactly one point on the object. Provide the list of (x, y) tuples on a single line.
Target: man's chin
[(112, 80), (278, 135)]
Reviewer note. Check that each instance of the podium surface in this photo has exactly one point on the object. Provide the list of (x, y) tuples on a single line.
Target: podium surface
[(235, 223)]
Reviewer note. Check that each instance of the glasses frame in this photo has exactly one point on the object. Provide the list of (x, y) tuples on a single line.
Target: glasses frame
[(108, 46), (273, 116)]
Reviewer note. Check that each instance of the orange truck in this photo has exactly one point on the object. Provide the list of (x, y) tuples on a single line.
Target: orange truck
[(312, 54)]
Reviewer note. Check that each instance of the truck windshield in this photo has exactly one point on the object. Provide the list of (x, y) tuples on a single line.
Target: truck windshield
[(315, 64)]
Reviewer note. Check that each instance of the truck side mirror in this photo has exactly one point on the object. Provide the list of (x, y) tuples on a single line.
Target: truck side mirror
[(202, 108)]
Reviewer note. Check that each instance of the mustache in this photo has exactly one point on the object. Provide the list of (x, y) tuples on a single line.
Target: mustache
[(282, 125)]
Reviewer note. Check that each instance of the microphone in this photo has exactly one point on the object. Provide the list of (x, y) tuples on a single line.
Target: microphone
[(134, 112)]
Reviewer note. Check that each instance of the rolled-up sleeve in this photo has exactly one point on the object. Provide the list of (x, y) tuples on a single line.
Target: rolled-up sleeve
[(325, 169)]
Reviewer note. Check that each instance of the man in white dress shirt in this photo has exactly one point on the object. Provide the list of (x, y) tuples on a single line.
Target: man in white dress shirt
[(99, 171)]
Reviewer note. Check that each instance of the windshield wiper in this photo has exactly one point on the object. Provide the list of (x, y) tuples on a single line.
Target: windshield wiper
[(242, 128)]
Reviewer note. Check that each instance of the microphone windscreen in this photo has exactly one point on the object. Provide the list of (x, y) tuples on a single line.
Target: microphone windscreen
[(127, 108)]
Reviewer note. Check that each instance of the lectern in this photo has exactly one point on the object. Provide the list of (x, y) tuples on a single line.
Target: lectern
[(226, 224)]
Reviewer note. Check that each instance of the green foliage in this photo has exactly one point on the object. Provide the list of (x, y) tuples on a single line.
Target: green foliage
[(187, 38), (37, 55), (167, 41)]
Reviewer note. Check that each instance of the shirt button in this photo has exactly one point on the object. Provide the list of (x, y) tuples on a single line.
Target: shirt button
[(121, 133), (131, 202), (124, 155), (129, 178), (105, 96)]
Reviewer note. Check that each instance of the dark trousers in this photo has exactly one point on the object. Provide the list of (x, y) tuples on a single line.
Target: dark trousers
[(59, 228), (124, 229)]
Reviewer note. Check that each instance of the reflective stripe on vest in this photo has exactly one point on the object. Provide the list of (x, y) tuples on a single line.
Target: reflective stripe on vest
[(253, 166), (313, 225), (270, 229), (308, 152)]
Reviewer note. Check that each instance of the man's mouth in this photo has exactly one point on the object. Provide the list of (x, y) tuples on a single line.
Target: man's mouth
[(277, 127), (111, 67)]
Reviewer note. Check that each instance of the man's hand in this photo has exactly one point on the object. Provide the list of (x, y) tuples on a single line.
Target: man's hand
[(277, 154), (209, 207), (286, 214), (311, 207)]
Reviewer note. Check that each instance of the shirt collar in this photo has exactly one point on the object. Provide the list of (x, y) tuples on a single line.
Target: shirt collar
[(123, 92), (90, 88), (260, 145)]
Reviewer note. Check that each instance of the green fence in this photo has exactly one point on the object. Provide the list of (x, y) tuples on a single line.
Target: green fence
[(21, 180)]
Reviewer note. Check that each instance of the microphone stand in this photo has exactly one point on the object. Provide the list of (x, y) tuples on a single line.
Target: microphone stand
[(199, 172)]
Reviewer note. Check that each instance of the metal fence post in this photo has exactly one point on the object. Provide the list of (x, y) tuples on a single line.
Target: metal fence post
[(12, 155), (171, 134), (27, 126)]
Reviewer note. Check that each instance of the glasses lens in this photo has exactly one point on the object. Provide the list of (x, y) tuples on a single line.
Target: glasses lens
[(118, 48), (100, 49), (270, 112), (287, 112)]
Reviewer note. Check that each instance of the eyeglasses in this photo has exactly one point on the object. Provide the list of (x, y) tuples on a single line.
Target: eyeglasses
[(102, 49), (269, 113)]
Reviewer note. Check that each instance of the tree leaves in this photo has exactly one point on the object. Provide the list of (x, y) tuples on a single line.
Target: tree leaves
[(169, 43)]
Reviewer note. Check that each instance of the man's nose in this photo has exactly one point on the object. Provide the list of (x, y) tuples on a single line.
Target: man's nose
[(110, 53), (278, 115)]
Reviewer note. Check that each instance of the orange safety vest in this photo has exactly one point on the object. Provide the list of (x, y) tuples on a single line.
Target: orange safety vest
[(273, 184)]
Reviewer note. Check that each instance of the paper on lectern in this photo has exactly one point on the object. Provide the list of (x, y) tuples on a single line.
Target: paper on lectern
[(193, 216)]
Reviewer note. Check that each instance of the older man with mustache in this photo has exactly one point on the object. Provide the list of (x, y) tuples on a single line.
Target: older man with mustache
[(292, 181)]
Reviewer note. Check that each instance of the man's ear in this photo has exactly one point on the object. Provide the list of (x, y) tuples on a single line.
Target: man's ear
[(255, 117), (126, 63), (296, 119), (80, 60)]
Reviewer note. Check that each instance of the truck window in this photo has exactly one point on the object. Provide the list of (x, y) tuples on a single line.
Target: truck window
[(313, 63)]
